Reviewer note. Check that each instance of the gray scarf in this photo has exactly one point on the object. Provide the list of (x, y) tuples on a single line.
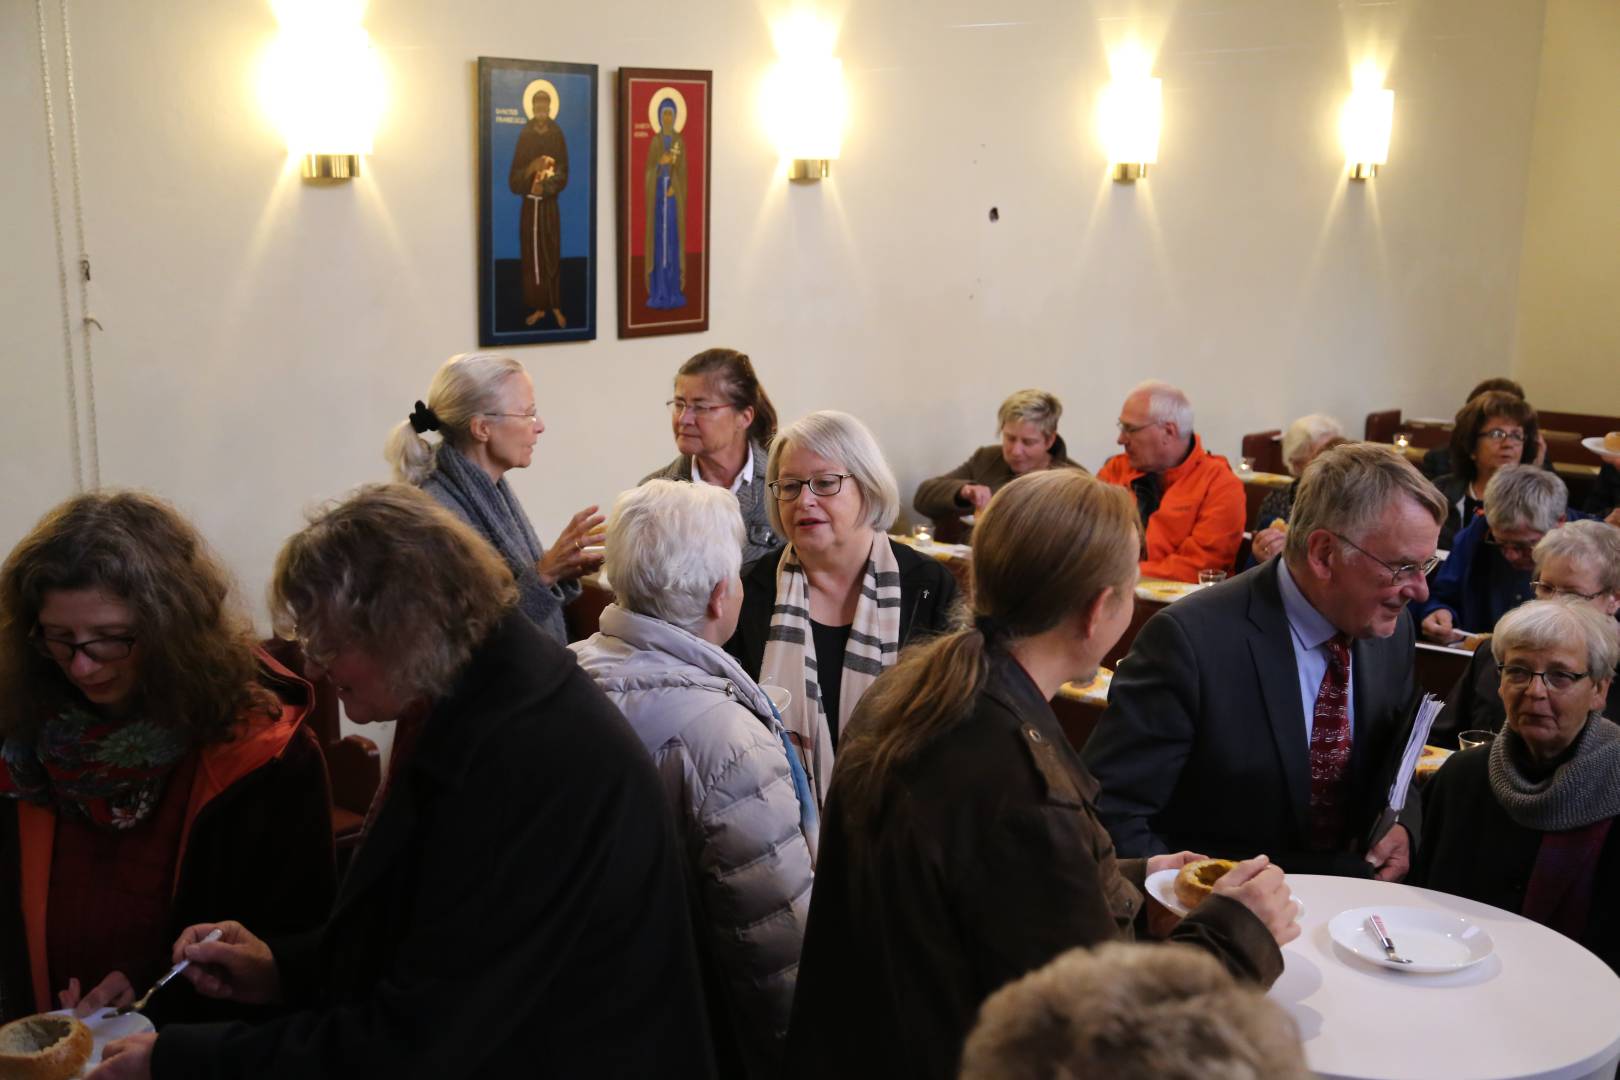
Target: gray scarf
[(1584, 789), (493, 510)]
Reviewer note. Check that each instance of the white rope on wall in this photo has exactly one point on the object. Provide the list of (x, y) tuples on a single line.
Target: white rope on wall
[(84, 255), (61, 254)]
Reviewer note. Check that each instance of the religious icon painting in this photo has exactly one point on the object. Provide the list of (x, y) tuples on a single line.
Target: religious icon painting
[(662, 187), (536, 202)]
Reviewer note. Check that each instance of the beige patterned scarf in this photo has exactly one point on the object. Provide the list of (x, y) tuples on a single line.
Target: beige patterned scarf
[(790, 653)]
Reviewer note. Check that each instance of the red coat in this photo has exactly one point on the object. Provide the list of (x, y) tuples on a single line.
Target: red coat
[(1199, 522)]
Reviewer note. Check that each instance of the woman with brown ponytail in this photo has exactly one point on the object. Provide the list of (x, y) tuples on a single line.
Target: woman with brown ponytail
[(960, 848)]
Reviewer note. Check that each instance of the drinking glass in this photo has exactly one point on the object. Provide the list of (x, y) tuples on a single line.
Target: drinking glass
[(923, 534), (1246, 466), (1211, 577), (1467, 740)]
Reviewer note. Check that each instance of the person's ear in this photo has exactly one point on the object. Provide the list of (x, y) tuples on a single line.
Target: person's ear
[(718, 596), (746, 414), (1319, 549), (1101, 606), (478, 428)]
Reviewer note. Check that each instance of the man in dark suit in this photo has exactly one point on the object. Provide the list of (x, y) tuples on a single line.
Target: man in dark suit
[(1268, 714)]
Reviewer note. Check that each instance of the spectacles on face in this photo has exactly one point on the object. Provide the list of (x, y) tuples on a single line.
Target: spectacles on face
[(1545, 591), (677, 406), (1132, 429), (1503, 435), (101, 649), (1512, 547), (821, 486), (1397, 574), (1520, 677), (531, 416)]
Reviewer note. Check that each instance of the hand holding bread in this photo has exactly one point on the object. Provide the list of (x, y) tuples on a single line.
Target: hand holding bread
[(1259, 886)]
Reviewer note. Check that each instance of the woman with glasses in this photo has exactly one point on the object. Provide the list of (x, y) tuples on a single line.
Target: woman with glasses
[(1579, 561), (150, 776), (1492, 431), (1487, 573), (482, 406), (723, 420), (832, 612), (1526, 823)]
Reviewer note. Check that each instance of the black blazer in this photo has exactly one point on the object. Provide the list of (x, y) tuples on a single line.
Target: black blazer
[(518, 907), (927, 597), (1204, 747)]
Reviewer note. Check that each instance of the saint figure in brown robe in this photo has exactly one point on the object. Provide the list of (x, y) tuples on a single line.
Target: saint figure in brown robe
[(539, 173)]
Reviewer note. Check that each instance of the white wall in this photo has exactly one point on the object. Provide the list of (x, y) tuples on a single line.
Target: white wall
[(1569, 335), (262, 336)]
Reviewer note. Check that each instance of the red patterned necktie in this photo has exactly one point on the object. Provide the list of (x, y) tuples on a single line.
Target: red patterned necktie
[(1330, 748)]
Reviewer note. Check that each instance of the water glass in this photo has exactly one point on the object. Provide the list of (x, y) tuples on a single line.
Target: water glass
[(922, 534), (1246, 466), (1211, 577), (1467, 740)]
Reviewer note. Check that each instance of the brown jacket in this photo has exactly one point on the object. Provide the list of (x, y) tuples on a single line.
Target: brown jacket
[(937, 498), (986, 862)]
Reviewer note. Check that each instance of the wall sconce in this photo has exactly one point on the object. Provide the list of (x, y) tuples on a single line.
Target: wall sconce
[(1131, 113), (323, 85), (805, 103), (1365, 122)]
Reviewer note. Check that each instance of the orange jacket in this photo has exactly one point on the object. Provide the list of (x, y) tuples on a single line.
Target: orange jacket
[(1199, 522), (219, 766)]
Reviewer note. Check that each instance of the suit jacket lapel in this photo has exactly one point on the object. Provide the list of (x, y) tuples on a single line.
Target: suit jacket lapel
[(1272, 649)]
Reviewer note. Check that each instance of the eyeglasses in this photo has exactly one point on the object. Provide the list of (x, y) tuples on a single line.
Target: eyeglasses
[(1545, 591), (1513, 547), (1405, 571), (1503, 435), (821, 486), (677, 406), (1556, 682), (100, 649), (1132, 429), (531, 416)]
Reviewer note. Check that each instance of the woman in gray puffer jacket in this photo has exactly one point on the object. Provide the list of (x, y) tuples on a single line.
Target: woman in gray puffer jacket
[(740, 795)]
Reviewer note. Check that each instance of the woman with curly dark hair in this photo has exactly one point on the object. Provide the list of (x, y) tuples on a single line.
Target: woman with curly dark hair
[(1492, 431), (149, 773)]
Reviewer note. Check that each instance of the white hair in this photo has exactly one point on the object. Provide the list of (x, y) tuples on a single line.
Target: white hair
[(669, 543), (1593, 543), (1034, 406), (1549, 624), (1167, 404), (840, 438), (1527, 497), (1305, 433), (465, 385), (1346, 490)]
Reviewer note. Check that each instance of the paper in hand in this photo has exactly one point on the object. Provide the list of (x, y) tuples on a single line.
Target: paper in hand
[(1427, 711)]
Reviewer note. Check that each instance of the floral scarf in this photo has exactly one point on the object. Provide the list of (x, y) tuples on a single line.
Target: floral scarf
[(109, 773)]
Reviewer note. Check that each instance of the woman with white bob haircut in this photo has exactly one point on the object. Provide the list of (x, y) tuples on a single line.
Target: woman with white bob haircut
[(829, 614), (1527, 822), (741, 800), (482, 406)]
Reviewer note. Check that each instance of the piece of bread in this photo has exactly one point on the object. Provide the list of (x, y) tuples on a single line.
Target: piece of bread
[(1611, 442), (1197, 879), (1279, 524), (44, 1047), (1429, 764), (1474, 641)]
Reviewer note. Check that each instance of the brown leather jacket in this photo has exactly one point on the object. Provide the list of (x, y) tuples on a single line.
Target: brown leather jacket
[(937, 498)]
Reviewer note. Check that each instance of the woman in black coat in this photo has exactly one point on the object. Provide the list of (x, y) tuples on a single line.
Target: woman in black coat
[(960, 847), (518, 904)]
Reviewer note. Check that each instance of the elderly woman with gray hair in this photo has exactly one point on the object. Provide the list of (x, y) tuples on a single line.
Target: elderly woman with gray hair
[(1527, 823), (482, 406), (1027, 424), (741, 800), (830, 614), (517, 905), (1304, 439), (1578, 561), (1488, 571)]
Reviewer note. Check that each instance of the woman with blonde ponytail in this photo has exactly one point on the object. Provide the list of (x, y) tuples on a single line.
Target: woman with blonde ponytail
[(482, 406), (959, 847)]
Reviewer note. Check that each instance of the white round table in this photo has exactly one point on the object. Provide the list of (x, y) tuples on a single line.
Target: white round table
[(1540, 1006)]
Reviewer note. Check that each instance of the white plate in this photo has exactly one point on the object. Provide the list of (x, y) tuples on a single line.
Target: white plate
[(1165, 592), (105, 1027), (1595, 444), (1161, 885), (969, 519), (1434, 941)]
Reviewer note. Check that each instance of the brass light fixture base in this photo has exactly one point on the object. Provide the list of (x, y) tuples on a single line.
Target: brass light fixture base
[(1363, 171), (1129, 172), (809, 170), (331, 166)]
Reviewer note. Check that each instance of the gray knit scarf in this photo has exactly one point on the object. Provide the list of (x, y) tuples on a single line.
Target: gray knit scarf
[(494, 511), (1584, 789)]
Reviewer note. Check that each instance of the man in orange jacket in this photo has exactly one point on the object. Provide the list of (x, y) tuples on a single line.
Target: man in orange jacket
[(1192, 504)]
